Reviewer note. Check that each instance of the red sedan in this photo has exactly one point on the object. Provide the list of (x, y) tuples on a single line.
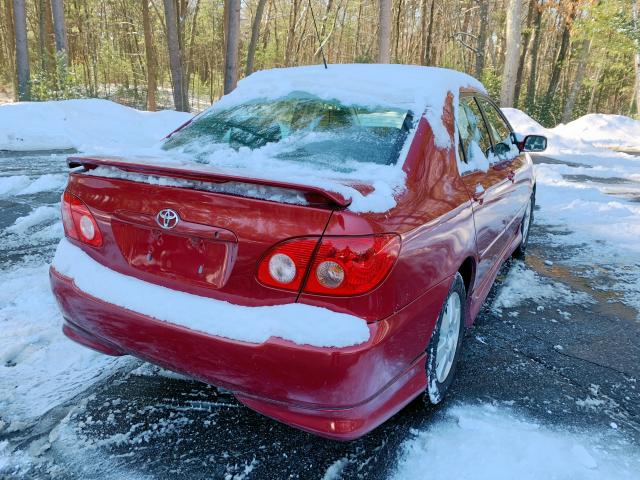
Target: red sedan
[(315, 242)]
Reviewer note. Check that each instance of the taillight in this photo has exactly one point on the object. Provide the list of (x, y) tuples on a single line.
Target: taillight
[(78, 221), (352, 265), (341, 266), (284, 266)]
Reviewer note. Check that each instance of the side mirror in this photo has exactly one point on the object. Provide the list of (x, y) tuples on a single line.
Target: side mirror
[(533, 143)]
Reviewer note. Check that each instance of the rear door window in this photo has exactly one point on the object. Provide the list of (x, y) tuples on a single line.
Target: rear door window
[(474, 137)]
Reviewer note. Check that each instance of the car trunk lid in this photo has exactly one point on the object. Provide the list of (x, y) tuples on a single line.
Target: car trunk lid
[(212, 247)]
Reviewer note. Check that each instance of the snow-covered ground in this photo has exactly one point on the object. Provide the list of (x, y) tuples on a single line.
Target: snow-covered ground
[(585, 193), (40, 368), (489, 442), (591, 194)]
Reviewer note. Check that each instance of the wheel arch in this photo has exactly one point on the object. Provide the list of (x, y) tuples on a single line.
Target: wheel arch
[(468, 271)]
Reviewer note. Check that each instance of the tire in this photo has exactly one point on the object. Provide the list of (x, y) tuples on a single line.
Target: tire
[(525, 229), (441, 371)]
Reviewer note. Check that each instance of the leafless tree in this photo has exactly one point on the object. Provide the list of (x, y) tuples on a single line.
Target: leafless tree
[(22, 49), (384, 31), (255, 33), (510, 72), (60, 30), (232, 42), (150, 57), (180, 94), (636, 29)]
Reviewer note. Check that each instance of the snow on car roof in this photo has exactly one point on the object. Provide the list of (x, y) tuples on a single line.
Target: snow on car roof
[(401, 86)]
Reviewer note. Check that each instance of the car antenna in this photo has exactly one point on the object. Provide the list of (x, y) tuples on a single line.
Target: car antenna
[(315, 26)]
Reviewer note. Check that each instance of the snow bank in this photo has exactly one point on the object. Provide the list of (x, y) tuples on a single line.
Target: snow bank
[(602, 129), (90, 124), (302, 324), (42, 214), (488, 443), (588, 134), (13, 184)]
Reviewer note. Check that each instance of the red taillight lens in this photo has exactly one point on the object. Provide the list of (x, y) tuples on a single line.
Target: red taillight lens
[(284, 266), (78, 221), (342, 266), (352, 265)]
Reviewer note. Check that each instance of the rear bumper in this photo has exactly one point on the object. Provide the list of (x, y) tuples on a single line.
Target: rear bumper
[(339, 393)]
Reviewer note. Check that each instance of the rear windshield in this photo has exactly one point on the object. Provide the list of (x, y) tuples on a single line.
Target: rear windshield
[(299, 127)]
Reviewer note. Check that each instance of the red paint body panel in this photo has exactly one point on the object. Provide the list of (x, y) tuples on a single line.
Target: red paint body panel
[(339, 393)]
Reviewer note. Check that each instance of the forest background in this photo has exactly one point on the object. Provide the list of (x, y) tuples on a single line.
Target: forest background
[(555, 59)]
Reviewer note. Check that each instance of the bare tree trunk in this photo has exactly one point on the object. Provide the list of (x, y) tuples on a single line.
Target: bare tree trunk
[(232, 43), (293, 20), (636, 28), (398, 16), (482, 37), (577, 81), (22, 50), (523, 54), (150, 57), (533, 70), (60, 31), (180, 99), (42, 36), (514, 30), (562, 55), (255, 33), (384, 31), (428, 57)]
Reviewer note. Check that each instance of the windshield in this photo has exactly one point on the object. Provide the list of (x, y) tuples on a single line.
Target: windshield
[(303, 128)]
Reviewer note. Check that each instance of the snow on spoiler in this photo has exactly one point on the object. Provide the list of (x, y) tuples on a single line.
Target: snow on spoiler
[(314, 194)]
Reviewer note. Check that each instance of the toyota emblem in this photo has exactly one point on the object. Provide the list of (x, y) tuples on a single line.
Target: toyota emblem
[(167, 218)]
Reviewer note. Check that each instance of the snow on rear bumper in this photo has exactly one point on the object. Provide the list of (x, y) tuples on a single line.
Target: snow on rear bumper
[(298, 323)]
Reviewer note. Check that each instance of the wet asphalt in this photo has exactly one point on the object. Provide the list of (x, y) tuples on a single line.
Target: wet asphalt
[(573, 365)]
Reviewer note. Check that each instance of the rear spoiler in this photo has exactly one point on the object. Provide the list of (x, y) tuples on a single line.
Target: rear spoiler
[(314, 195)]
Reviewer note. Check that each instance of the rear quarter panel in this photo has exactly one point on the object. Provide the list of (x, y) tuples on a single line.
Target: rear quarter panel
[(434, 218)]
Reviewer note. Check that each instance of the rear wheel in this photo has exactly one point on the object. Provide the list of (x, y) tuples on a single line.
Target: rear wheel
[(445, 345), (525, 228)]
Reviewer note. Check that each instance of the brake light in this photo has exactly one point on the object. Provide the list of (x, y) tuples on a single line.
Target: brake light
[(341, 266), (284, 266), (78, 221)]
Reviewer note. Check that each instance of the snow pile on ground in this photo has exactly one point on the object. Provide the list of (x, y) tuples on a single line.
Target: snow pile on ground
[(602, 129), (23, 185), (523, 284), (82, 125), (302, 324), (489, 443), (586, 135)]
